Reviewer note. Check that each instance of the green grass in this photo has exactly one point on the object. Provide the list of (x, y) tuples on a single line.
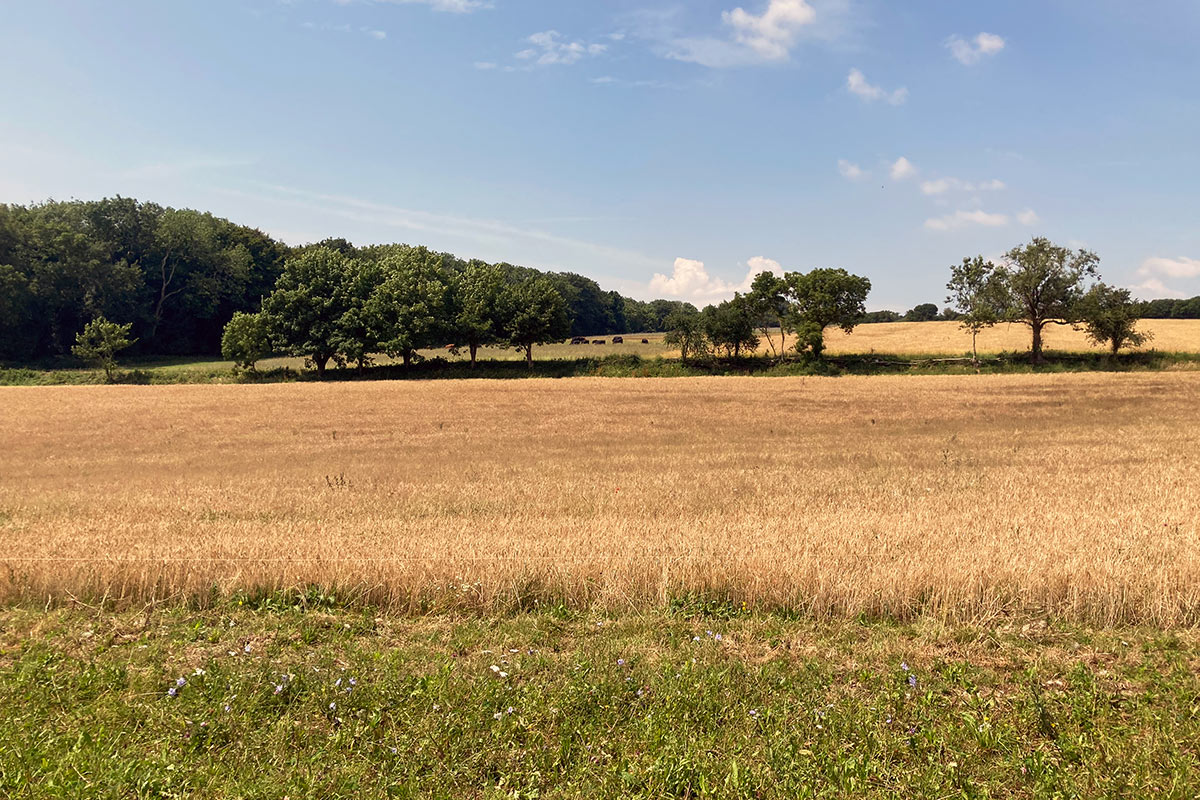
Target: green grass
[(614, 364), (302, 698)]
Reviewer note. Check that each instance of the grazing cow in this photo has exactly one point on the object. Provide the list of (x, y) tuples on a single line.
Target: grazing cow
[(599, 341), (579, 340), (618, 340)]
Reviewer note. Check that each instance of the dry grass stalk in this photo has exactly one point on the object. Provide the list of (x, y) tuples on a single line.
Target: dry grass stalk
[(964, 497)]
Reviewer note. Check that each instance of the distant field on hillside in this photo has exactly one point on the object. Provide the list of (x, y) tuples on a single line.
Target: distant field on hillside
[(957, 496)]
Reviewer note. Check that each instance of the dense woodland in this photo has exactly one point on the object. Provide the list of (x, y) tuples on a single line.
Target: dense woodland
[(179, 276), (174, 280)]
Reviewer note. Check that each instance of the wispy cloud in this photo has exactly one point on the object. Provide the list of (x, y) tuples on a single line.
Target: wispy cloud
[(449, 6), (165, 170), (944, 185), (857, 83), (488, 231), (1028, 217), (974, 51), (962, 219), (850, 170), (550, 47)]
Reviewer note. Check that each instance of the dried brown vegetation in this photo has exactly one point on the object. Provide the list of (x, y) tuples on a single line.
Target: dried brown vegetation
[(964, 497)]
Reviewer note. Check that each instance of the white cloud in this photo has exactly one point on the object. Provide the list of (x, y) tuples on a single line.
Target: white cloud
[(451, 6), (961, 219), (973, 51), (549, 47), (857, 83), (852, 171), (1028, 217), (1171, 267), (485, 65), (902, 169), (380, 35), (689, 280), (754, 38), (771, 34), (943, 185), (1153, 287)]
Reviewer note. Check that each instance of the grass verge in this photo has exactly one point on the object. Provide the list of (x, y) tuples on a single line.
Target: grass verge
[(613, 366), (298, 697)]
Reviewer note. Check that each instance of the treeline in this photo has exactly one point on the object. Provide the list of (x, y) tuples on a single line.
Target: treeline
[(176, 277), (928, 312)]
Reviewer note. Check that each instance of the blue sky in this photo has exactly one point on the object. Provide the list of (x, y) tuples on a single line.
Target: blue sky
[(663, 148)]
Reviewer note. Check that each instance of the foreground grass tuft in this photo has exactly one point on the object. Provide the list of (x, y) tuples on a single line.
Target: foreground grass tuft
[(334, 702)]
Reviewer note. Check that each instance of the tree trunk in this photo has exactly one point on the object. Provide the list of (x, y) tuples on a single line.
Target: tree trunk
[(407, 356), (1035, 355), (975, 350), (320, 362), (529, 356), (473, 347)]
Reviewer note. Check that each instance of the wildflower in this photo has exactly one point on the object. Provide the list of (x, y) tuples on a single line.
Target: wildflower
[(246, 649), (708, 633), (904, 666), (695, 638), (198, 672), (495, 668), (717, 637), (641, 691), (497, 715), (912, 681), (172, 692), (227, 708), (278, 688), (333, 706), (754, 713), (502, 674), (181, 682), (620, 662), (509, 710), (353, 682)]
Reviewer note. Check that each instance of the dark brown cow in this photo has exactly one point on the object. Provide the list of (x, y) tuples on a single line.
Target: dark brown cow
[(599, 341), (645, 341), (618, 340)]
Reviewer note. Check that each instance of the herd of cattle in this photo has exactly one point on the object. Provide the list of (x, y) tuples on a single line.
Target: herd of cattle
[(615, 340)]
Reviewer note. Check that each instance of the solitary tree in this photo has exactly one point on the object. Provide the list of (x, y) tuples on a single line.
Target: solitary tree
[(100, 341), (246, 339), (478, 306), (1041, 283), (304, 310), (976, 296), (822, 298), (768, 300), (534, 313), (1110, 318), (730, 326), (685, 330)]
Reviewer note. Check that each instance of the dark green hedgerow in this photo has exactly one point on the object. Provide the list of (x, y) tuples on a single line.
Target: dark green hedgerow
[(620, 366)]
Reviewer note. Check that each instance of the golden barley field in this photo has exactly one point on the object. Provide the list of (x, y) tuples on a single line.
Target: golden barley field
[(964, 497), (916, 338)]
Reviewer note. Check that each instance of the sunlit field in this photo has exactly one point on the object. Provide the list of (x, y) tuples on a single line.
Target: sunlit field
[(965, 497)]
